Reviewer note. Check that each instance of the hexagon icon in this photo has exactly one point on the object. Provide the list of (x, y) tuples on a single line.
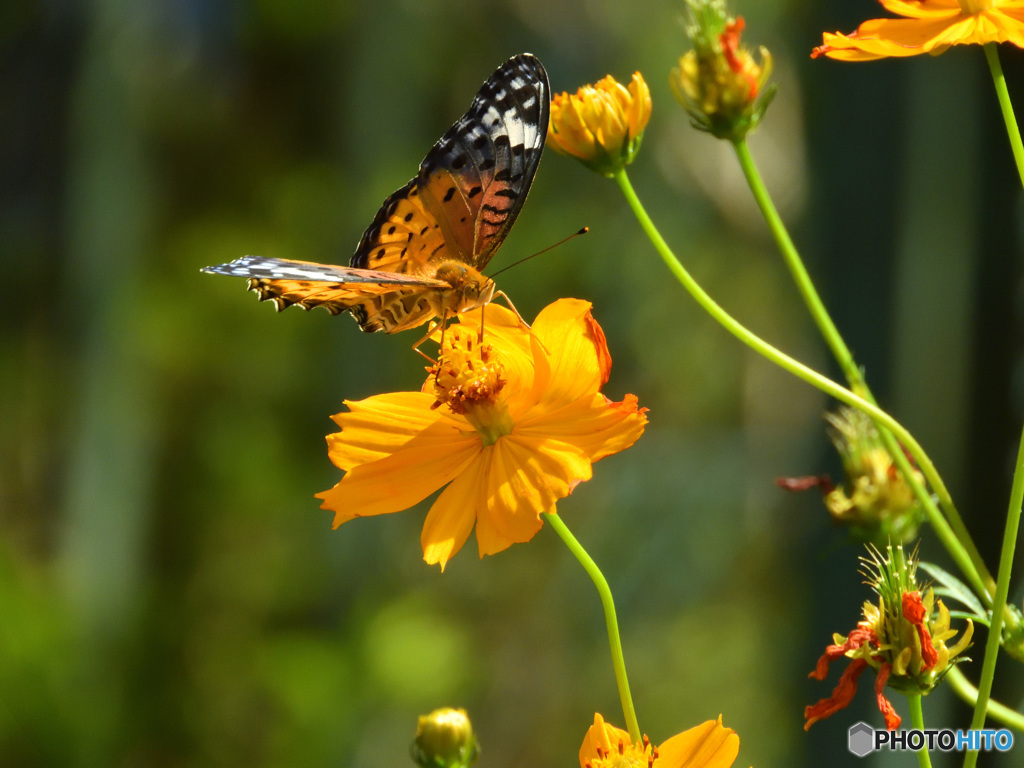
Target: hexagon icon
[(861, 739)]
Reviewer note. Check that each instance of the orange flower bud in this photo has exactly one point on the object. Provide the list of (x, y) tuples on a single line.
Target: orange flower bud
[(601, 125)]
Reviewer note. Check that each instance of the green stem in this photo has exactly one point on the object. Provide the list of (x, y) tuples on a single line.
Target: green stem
[(999, 712), (608, 603), (853, 373), (808, 375), (1003, 94), (917, 723), (796, 267), (988, 666)]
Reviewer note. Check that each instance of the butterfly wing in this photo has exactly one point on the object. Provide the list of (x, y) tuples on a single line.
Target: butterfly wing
[(308, 284), (474, 180), (467, 194)]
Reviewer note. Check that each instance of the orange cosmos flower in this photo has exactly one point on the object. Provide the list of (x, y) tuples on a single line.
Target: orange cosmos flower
[(510, 425), (601, 125), (708, 745), (928, 26)]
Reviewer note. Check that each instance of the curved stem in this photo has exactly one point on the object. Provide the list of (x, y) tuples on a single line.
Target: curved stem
[(917, 723), (999, 712), (608, 603), (995, 631), (854, 375), (810, 376), (792, 258), (1003, 94)]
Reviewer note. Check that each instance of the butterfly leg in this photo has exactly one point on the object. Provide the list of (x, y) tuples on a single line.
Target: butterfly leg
[(431, 327), (511, 306)]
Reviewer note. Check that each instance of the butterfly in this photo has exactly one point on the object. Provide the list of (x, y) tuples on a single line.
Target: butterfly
[(421, 257)]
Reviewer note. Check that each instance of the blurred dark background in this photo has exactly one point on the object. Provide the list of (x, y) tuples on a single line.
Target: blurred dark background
[(170, 593)]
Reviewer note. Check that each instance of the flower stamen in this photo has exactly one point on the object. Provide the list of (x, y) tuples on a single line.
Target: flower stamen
[(469, 378)]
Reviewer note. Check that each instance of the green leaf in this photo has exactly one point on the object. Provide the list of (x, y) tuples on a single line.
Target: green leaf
[(954, 589)]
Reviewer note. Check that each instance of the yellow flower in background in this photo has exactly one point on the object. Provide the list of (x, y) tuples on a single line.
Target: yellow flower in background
[(928, 26), (708, 745), (602, 124), (445, 739), (877, 503), (510, 424), (723, 88)]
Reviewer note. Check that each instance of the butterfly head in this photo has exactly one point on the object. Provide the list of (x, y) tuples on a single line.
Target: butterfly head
[(470, 288)]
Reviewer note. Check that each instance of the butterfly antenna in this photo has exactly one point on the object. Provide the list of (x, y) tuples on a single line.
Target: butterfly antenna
[(538, 253)]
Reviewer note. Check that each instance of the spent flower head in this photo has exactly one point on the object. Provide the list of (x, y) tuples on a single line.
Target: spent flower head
[(877, 503), (601, 125), (928, 26), (903, 638), (445, 739), (708, 745), (718, 81), (510, 425)]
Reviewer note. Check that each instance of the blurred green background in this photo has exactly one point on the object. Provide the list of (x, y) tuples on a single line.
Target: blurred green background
[(170, 593)]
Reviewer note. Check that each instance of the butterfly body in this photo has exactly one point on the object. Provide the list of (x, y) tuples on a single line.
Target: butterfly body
[(422, 255), (463, 289)]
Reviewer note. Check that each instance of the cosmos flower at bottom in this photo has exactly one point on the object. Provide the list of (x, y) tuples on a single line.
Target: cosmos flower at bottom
[(510, 425), (708, 745)]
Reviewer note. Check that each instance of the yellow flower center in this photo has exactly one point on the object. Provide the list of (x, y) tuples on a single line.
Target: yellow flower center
[(468, 379), (625, 755), (975, 6)]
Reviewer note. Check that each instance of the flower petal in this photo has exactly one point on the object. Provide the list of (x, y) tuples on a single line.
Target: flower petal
[(708, 745), (921, 9), (992, 26), (601, 740), (574, 345), (858, 638), (396, 482), (529, 475), (879, 38), (451, 518), (892, 720), (594, 424), (526, 477), (927, 27), (841, 696), (640, 105), (378, 426)]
